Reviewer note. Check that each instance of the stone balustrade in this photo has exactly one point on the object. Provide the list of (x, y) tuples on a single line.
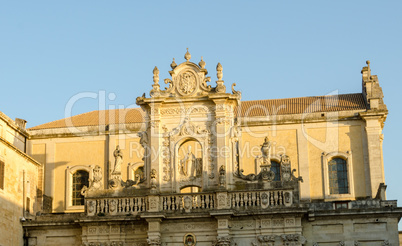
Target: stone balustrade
[(190, 202)]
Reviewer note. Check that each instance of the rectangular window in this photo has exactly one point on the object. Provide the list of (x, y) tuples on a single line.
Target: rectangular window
[(2, 167), (338, 176)]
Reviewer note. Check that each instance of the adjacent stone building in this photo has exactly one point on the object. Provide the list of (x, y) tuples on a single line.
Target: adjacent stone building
[(195, 165), (20, 180)]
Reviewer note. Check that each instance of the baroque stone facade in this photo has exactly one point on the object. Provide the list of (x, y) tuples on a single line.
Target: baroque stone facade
[(195, 165)]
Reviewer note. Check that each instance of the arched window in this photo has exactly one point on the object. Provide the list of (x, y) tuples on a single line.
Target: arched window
[(276, 168), (338, 176), (80, 178)]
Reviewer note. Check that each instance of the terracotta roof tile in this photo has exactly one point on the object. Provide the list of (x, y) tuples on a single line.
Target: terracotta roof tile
[(303, 105), (98, 117), (255, 108)]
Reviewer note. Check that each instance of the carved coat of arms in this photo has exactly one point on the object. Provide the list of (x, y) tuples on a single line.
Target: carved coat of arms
[(187, 83)]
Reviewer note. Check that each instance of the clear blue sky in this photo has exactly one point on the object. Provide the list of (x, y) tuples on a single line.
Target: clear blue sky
[(52, 50)]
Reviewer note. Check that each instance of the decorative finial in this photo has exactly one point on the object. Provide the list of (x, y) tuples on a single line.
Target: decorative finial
[(220, 87), (368, 62), (219, 73), (173, 65), (187, 56), (156, 75), (202, 63)]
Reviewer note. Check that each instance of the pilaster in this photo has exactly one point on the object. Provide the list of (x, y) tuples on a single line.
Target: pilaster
[(374, 137)]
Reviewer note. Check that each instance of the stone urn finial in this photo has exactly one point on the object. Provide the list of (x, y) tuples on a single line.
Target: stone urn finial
[(219, 69), (202, 63), (173, 65), (156, 75), (187, 56)]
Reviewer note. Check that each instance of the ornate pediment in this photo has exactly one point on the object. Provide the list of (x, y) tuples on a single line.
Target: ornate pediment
[(187, 80)]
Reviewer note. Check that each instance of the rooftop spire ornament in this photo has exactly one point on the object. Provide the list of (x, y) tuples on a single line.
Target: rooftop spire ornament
[(155, 92), (202, 63), (187, 56), (173, 65), (220, 87), (156, 75)]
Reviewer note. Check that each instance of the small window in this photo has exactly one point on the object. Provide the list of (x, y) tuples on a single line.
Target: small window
[(80, 178), (190, 189), (2, 175), (338, 176), (276, 168)]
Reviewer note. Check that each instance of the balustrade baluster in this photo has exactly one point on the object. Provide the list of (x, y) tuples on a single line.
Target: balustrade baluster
[(280, 198), (169, 203), (177, 203), (107, 206), (97, 206), (206, 201), (102, 206), (212, 203), (258, 199), (246, 200), (198, 201)]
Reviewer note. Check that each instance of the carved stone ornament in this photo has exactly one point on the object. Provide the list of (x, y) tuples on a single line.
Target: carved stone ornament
[(286, 170), (222, 241), (187, 83), (188, 79), (266, 240), (94, 184), (154, 241), (264, 161), (187, 203), (222, 176), (385, 243), (153, 180), (189, 239), (293, 239)]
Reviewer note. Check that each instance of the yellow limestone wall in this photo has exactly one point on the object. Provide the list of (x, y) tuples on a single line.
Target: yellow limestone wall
[(345, 138), (74, 154), (11, 197)]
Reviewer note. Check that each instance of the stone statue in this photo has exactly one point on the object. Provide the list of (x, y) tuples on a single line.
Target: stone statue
[(188, 165), (266, 151), (95, 183), (118, 159), (143, 139)]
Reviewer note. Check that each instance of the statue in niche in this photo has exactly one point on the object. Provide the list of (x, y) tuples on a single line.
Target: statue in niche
[(118, 160), (188, 165)]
